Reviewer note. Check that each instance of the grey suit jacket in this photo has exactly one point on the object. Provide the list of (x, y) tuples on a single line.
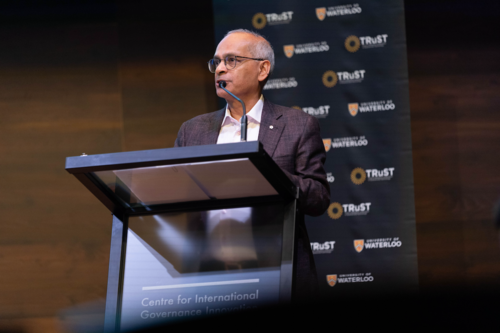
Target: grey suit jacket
[(294, 142)]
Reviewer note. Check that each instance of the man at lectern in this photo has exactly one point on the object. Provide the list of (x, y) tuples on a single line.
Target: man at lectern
[(244, 60)]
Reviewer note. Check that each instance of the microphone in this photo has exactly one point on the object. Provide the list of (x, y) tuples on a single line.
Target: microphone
[(243, 120)]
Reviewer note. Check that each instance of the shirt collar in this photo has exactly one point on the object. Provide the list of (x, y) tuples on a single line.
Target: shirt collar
[(255, 114)]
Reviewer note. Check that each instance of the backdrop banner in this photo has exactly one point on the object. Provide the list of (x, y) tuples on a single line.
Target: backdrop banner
[(345, 63)]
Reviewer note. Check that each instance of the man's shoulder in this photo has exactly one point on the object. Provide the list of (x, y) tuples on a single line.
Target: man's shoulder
[(204, 118), (292, 114), (200, 130)]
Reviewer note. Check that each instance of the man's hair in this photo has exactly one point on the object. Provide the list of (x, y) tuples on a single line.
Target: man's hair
[(262, 49)]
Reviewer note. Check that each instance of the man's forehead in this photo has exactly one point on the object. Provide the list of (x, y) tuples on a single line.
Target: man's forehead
[(235, 44)]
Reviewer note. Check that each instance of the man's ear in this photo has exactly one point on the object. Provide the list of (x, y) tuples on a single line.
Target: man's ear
[(264, 70)]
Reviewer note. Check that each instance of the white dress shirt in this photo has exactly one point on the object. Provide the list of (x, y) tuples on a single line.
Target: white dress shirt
[(230, 130)]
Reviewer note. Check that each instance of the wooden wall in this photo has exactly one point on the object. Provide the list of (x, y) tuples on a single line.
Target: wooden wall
[(454, 96), (55, 101), (71, 83), (125, 78)]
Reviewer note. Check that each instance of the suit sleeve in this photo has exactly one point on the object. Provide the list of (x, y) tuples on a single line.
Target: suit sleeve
[(310, 174), (179, 141)]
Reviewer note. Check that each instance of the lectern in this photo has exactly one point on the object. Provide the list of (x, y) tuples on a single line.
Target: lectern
[(196, 230)]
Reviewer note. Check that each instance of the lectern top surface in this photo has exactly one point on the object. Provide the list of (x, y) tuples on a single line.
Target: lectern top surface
[(187, 178), (227, 179)]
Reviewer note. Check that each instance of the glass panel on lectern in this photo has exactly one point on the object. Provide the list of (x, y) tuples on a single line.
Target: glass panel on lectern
[(201, 263), (237, 178)]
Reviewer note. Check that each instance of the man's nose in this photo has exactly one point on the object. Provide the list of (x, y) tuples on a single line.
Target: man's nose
[(221, 68)]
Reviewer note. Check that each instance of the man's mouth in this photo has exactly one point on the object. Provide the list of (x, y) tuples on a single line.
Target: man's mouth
[(219, 81)]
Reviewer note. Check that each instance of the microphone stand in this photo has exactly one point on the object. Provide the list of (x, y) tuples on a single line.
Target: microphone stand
[(243, 119)]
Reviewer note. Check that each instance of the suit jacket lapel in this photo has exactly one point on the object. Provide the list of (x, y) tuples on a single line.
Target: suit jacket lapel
[(211, 132), (272, 125)]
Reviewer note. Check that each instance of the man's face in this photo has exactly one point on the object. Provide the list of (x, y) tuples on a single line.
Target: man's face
[(243, 80)]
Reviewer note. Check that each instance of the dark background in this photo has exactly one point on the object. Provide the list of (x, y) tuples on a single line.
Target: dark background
[(97, 77)]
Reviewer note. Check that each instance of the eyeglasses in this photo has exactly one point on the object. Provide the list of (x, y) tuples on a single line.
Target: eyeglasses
[(229, 61)]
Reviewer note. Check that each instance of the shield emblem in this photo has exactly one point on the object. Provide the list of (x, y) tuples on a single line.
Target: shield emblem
[(289, 50), (353, 108), (327, 143), (321, 13), (331, 279), (359, 244)]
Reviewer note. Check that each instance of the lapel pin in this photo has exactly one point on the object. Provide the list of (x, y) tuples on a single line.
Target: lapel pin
[(271, 127)]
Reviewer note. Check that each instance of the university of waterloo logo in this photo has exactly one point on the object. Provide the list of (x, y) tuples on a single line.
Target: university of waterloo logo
[(353, 108), (359, 245), (327, 143), (331, 279), (259, 21), (321, 13), (288, 50)]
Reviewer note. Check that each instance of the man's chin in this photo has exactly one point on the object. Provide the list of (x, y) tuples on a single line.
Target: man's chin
[(222, 94)]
